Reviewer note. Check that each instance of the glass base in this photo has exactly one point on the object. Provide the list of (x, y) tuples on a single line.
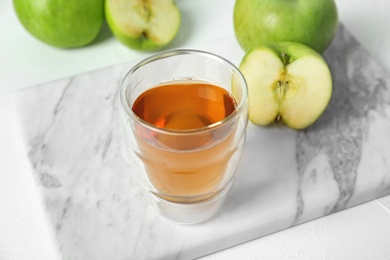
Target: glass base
[(187, 213)]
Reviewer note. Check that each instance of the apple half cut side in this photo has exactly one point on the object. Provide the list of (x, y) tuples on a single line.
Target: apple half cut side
[(288, 83), (143, 25)]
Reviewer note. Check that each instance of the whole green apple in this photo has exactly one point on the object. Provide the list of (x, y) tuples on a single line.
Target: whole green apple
[(311, 22), (288, 83), (62, 23), (143, 25)]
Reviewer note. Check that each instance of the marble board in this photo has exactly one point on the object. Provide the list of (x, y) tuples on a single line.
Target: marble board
[(95, 210)]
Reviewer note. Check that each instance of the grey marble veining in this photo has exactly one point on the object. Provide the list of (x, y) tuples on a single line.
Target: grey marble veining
[(361, 91), (95, 210)]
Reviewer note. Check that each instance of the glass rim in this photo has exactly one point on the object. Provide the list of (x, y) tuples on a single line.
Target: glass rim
[(176, 52)]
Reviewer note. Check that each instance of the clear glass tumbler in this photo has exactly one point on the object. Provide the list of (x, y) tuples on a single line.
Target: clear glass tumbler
[(182, 141)]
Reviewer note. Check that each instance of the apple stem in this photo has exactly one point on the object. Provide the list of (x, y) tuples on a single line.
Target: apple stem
[(285, 58)]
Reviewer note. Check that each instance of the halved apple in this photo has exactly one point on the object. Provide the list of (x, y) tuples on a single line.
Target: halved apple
[(143, 24), (287, 82)]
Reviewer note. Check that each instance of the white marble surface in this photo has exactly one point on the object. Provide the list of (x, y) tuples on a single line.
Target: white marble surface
[(23, 233), (286, 177)]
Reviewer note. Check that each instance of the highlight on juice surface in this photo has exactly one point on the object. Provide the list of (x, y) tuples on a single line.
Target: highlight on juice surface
[(184, 130)]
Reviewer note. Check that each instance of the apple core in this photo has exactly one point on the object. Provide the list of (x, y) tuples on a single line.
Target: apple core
[(287, 83)]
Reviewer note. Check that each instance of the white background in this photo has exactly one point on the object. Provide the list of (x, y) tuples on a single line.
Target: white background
[(361, 232)]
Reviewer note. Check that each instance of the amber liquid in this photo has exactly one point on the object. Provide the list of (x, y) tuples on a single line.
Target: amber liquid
[(188, 164)]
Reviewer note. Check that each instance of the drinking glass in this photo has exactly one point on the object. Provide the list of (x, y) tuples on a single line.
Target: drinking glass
[(186, 172)]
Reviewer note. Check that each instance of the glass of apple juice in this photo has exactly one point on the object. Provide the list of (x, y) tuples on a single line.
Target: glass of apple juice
[(184, 115)]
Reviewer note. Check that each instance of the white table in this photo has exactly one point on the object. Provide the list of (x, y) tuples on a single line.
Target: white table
[(362, 232)]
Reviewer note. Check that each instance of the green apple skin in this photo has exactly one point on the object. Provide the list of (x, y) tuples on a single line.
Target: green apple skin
[(130, 22), (288, 83), (62, 23), (310, 22)]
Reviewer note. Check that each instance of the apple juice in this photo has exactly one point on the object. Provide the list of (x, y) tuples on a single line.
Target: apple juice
[(189, 160)]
